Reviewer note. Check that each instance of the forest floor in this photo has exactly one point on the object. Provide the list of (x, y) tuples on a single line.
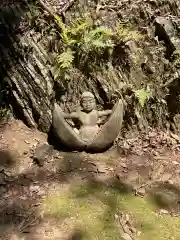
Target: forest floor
[(72, 195)]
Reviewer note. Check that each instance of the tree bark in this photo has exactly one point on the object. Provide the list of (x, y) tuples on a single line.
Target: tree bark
[(25, 64), (26, 68)]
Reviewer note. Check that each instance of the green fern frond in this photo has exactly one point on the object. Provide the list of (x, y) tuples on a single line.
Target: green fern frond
[(59, 21), (125, 33), (66, 59), (80, 25), (98, 43), (64, 29), (84, 38), (56, 72), (143, 95), (78, 28), (101, 31), (99, 38), (72, 42)]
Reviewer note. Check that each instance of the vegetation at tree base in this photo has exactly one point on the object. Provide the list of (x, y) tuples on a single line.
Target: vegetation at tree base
[(89, 46), (85, 43), (119, 55)]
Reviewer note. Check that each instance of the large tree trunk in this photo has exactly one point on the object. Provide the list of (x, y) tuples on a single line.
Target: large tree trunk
[(25, 67), (25, 63)]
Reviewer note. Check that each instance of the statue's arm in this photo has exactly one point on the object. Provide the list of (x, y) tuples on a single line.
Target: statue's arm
[(70, 115), (104, 113)]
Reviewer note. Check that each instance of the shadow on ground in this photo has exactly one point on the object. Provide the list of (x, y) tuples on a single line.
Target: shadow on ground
[(6, 159), (166, 196), (76, 235), (21, 194), (29, 198)]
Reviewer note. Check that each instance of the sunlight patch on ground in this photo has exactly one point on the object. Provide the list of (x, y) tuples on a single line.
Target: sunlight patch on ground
[(92, 208)]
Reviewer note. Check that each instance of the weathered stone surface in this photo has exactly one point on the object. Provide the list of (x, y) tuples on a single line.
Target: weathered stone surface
[(166, 31), (102, 138)]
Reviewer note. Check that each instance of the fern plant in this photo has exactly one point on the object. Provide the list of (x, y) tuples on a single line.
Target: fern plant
[(80, 25), (125, 33), (64, 62), (98, 39), (142, 96), (64, 31), (65, 59), (82, 39), (86, 43)]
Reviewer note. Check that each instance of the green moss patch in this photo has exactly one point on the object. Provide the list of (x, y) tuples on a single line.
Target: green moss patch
[(92, 208)]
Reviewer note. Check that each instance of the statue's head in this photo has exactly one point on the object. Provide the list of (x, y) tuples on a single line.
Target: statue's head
[(88, 102)]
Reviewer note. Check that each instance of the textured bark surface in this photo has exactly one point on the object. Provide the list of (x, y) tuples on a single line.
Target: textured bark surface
[(25, 67), (25, 59)]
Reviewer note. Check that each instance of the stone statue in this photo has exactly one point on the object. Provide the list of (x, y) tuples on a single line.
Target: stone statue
[(88, 118), (84, 128)]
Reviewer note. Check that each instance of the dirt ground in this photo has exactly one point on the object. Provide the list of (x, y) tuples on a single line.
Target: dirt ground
[(26, 184)]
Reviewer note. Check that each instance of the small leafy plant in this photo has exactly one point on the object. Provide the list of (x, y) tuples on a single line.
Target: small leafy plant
[(126, 33), (65, 59), (81, 40), (142, 96), (84, 44)]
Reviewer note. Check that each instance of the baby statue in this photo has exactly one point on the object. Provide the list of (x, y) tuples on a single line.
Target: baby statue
[(88, 118)]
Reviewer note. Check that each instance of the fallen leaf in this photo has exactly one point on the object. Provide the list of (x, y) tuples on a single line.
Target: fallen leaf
[(165, 177), (141, 192), (175, 162), (163, 211), (126, 236), (123, 165)]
